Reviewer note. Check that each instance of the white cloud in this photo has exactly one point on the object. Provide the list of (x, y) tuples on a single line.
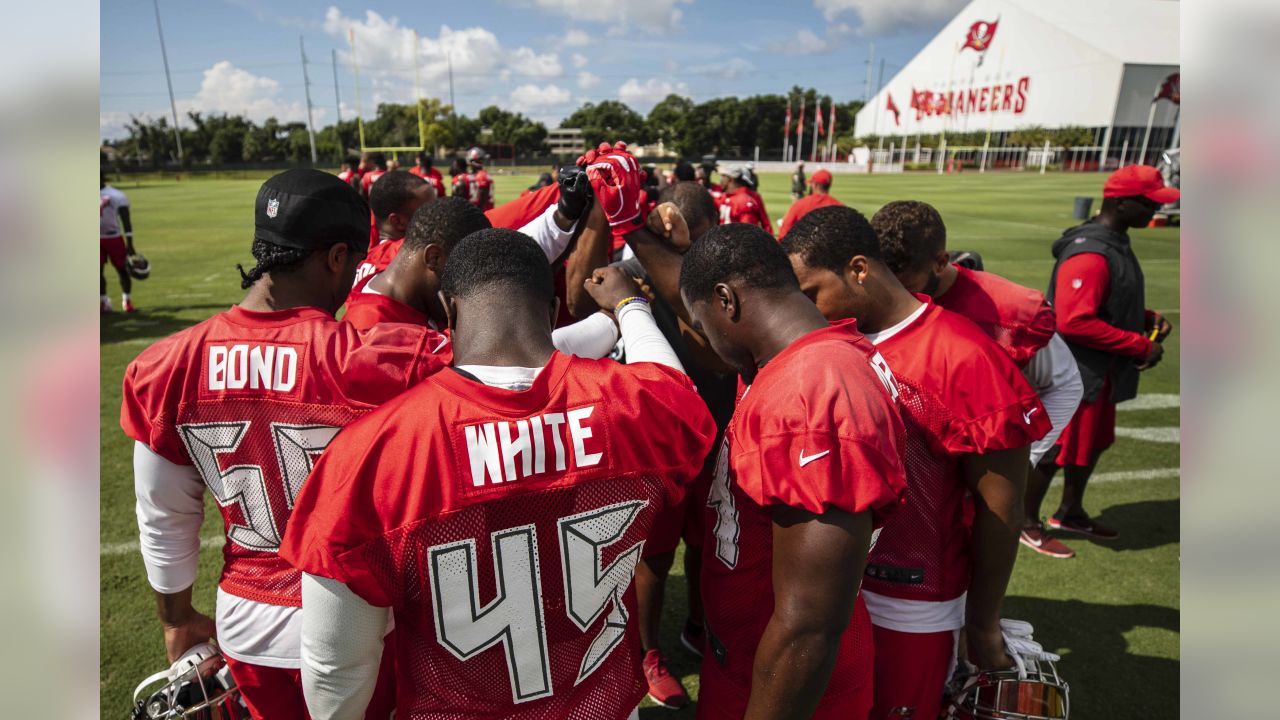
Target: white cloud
[(387, 54), (576, 38), (886, 17), (650, 14), (525, 61), (728, 70), (642, 96), (580, 60), (234, 91), (804, 42), (587, 80), (531, 98)]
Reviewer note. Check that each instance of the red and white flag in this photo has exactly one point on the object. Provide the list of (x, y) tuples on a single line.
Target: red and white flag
[(800, 125), (786, 129), (1170, 89), (819, 118), (891, 107), (831, 126)]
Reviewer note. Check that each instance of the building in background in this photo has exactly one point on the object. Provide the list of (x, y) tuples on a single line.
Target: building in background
[(1005, 65), (566, 141)]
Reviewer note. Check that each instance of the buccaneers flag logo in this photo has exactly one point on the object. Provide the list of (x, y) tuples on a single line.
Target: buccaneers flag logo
[(891, 107), (1171, 89), (980, 35)]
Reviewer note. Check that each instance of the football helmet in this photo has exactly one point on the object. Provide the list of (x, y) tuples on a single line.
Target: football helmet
[(198, 686), (139, 267), (1031, 690), (966, 258), (476, 156)]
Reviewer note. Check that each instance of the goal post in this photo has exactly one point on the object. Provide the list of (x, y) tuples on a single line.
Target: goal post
[(417, 97)]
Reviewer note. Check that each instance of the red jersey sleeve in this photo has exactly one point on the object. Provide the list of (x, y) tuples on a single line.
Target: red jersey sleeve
[(991, 406), (1080, 289), (676, 422), (833, 444), (372, 366), (524, 209), (150, 400), (337, 513)]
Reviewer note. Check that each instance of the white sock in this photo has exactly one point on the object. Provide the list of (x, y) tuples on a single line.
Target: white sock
[(124, 297), (106, 299)]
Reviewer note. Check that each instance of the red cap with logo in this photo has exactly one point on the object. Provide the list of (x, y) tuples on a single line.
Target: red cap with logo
[(822, 177), (1141, 180)]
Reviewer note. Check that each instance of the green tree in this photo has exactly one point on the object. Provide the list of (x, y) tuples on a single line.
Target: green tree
[(524, 135), (667, 121), (608, 121)]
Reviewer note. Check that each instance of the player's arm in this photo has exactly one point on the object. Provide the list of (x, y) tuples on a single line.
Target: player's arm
[(126, 226), (1054, 375), (818, 561), (1080, 289), (997, 480), (170, 510), (611, 287), (659, 259), (341, 649), (591, 252)]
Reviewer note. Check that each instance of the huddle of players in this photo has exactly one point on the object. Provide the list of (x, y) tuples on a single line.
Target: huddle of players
[(470, 180), (498, 482)]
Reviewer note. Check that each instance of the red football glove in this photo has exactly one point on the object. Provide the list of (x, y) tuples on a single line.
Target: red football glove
[(617, 181)]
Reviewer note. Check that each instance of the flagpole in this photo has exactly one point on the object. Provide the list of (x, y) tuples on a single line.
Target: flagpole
[(173, 106), (1151, 116), (800, 131), (831, 131), (817, 118), (786, 133)]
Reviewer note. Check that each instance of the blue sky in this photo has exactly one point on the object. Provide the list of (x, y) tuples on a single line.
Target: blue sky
[(540, 57)]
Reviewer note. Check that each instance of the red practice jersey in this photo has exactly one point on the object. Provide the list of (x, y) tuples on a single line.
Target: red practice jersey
[(524, 209), (1018, 318), (505, 542), (804, 206), (251, 399), (432, 176), (960, 395), (350, 177), (368, 179), (478, 182), (378, 259), (818, 429), (740, 205)]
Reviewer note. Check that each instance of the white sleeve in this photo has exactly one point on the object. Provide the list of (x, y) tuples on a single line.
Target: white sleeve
[(592, 338), (1055, 377), (341, 649), (642, 339), (170, 508), (544, 231)]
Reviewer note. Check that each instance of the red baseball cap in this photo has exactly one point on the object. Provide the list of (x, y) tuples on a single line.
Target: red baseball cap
[(1141, 180), (822, 177)]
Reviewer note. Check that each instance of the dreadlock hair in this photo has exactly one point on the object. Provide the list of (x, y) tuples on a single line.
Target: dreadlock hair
[(911, 234), (272, 258)]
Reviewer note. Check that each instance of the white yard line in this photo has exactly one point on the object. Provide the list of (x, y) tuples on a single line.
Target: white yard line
[(130, 548), (1158, 474), (1151, 401), (1151, 434)]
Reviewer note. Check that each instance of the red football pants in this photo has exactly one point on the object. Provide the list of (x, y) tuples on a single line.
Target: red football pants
[(911, 672), (113, 250), (276, 693), (271, 693)]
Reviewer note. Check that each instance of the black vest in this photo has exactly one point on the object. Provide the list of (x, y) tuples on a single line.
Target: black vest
[(1125, 307)]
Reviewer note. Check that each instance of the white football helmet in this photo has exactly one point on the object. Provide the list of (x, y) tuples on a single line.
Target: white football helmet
[(476, 156), (198, 686)]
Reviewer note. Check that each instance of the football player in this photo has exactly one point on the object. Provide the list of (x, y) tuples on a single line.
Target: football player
[(717, 385), (970, 419), (426, 170), (913, 240), (805, 204), (740, 203), (350, 171), (373, 166), (479, 187), (504, 544), (242, 404), (115, 241), (809, 468)]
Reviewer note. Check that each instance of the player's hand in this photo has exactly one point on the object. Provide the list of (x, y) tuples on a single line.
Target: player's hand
[(1161, 325), (1153, 357), (609, 286), (575, 192), (182, 637), (616, 179), (987, 649), (668, 222)]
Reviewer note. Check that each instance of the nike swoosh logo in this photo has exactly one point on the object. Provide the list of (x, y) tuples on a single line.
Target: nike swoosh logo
[(806, 460), (1026, 416)]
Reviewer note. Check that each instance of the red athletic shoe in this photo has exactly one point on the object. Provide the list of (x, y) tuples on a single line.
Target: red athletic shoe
[(1082, 525), (1036, 538), (128, 306), (664, 689)]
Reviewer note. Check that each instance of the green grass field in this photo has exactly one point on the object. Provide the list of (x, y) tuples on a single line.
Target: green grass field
[(1111, 612)]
